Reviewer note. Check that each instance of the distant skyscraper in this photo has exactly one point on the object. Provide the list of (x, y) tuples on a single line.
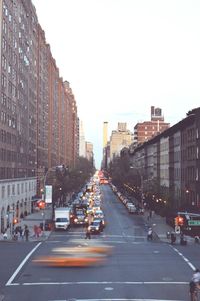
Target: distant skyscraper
[(82, 150), (120, 139), (105, 133), (89, 151)]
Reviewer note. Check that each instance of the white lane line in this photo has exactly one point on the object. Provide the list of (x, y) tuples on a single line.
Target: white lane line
[(116, 300), (107, 282), (185, 259), (21, 265)]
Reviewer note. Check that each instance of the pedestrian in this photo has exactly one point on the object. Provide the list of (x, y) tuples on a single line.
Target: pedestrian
[(26, 232), (20, 232), (88, 234), (182, 239), (150, 234), (173, 238), (36, 231), (194, 285), (101, 226), (5, 235)]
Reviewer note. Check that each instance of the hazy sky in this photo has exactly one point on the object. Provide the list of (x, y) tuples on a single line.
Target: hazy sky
[(122, 56)]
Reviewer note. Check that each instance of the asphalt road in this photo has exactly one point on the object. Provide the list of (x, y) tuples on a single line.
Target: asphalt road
[(136, 270)]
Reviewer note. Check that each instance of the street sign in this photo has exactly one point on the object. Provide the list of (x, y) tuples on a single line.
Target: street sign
[(193, 223), (177, 229)]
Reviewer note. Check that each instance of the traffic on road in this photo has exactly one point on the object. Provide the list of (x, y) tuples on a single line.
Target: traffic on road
[(116, 262)]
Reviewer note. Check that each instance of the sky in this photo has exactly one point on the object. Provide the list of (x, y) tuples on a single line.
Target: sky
[(123, 56)]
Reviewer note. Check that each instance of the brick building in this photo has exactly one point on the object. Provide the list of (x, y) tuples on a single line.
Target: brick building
[(144, 131)]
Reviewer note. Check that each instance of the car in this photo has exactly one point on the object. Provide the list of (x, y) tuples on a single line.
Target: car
[(139, 210), (131, 208), (98, 214), (95, 227), (101, 221)]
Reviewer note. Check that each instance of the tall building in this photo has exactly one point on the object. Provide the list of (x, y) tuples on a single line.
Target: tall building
[(105, 133), (144, 131), (89, 151), (119, 139), (38, 113), (82, 146)]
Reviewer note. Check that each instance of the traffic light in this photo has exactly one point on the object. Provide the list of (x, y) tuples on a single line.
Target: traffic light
[(15, 221), (41, 204), (179, 221), (176, 221)]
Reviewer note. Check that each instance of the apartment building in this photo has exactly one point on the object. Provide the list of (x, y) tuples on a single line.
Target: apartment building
[(143, 131), (176, 162), (38, 113)]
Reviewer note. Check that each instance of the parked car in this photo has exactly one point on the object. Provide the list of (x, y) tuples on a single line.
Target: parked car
[(131, 208), (139, 210)]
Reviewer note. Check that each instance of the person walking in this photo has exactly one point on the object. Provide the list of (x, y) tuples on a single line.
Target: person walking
[(195, 285), (150, 234), (88, 234), (173, 238), (26, 232)]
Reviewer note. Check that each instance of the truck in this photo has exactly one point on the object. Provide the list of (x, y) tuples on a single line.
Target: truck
[(62, 218)]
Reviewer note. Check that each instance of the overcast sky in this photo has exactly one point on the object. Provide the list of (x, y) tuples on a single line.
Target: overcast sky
[(122, 56)]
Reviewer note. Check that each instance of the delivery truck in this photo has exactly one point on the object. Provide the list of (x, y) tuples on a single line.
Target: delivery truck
[(62, 218)]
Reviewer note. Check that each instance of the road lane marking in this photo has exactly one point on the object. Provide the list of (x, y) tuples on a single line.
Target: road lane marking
[(110, 299), (21, 264), (184, 258), (104, 283)]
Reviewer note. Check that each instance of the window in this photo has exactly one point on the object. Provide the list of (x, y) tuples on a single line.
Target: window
[(4, 62), (4, 44), (13, 189), (3, 192), (18, 189), (3, 81), (8, 190)]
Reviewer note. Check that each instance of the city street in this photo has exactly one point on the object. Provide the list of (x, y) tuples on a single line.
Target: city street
[(137, 269)]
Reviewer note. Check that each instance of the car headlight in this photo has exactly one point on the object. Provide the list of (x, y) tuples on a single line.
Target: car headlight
[(75, 220), (97, 228)]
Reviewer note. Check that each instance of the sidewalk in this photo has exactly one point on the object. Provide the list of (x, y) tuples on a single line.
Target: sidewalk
[(36, 218), (160, 228)]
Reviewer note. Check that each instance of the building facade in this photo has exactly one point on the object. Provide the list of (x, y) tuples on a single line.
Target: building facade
[(82, 150), (89, 151), (38, 113), (143, 131), (170, 163), (119, 139)]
